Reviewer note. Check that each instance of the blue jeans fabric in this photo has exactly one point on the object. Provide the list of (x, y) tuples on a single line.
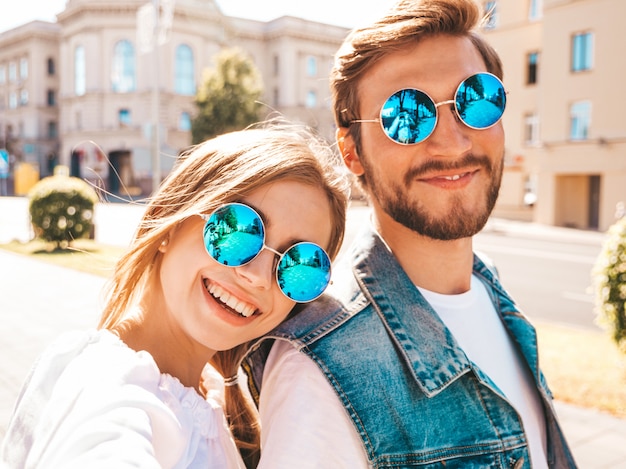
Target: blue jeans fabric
[(414, 397)]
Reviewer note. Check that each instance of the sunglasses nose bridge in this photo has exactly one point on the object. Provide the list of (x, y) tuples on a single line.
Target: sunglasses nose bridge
[(442, 103)]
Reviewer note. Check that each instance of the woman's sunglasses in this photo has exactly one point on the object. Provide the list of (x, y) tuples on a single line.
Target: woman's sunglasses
[(234, 235), (409, 116)]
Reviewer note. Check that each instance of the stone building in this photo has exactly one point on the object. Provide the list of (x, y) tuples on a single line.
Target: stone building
[(86, 91)]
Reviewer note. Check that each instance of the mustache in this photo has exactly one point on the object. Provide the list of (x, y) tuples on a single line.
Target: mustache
[(441, 165)]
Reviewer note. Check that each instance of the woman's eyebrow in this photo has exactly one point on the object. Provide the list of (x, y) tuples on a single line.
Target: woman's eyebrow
[(267, 223)]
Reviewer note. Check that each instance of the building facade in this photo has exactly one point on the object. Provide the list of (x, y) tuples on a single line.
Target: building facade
[(566, 139), (29, 86), (89, 90)]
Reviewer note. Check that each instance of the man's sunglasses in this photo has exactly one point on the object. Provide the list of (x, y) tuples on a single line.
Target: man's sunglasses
[(409, 116), (234, 235)]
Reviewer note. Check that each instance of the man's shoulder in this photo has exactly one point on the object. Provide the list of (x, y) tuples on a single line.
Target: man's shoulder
[(312, 319)]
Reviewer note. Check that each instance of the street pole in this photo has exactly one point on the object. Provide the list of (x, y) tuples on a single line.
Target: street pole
[(156, 141)]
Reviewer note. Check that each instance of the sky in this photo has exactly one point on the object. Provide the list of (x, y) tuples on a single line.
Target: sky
[(347, 13)]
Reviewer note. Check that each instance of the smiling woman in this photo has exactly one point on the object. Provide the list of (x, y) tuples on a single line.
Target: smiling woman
[(244, 227)]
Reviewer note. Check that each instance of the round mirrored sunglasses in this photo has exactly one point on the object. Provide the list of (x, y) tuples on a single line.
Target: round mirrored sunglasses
[(234, 235), (409, 116)]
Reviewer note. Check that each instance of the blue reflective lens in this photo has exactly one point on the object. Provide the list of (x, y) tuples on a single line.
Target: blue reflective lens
[(480, 100), (408, 116), (234, 235), (303, 272)]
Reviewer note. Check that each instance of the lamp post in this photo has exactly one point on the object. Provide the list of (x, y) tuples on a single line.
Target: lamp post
[(156, 104), (154, 22)]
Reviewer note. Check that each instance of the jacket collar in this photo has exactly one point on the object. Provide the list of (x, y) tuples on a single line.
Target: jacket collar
[(427, 346)]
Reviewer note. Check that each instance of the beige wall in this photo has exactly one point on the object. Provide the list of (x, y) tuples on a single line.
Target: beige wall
[(26, 126), (562, 167)]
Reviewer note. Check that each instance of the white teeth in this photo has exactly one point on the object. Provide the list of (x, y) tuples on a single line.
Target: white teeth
[(456, 177), (229, 300)]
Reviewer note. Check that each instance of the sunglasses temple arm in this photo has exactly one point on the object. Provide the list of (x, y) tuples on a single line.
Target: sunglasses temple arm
[(364, 120)]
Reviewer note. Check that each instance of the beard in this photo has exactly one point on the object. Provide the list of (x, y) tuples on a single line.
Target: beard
[(455, 223)]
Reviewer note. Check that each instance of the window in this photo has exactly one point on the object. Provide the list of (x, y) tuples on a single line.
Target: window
[(23, 69), (52, 100), (80, 71), (580, 118), (531, 73), (311, 99), (12, 100), (51, 67), (311, 66), (491, 15), (12, 72), (123, 117), (123, 73), (23, 97), (184, 121), (531, 129), (535, 10), (184, 81), (582, 51), (276, 66), (52, 129), (3, 74)]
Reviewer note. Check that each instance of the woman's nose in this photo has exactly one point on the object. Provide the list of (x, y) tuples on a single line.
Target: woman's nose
[(259, 273)]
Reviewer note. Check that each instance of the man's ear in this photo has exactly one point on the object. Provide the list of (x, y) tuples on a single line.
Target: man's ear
[(346, 145)]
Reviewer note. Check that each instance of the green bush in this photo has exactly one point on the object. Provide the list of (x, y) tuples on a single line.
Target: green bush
[(609, 279), (61, 209)]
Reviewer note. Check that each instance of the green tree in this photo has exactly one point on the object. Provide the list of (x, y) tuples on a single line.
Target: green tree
[(228, 98), (609, 278)]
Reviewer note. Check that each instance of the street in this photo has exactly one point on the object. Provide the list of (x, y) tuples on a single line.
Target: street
[(549, 278)]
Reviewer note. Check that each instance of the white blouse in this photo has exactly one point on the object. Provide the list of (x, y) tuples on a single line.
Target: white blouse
[(91, 401)]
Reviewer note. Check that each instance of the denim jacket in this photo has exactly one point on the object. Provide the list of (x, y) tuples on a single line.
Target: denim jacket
[(412, 394)]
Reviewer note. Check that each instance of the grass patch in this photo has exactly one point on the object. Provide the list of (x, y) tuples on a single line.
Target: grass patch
[(583, 367), (84, 255)]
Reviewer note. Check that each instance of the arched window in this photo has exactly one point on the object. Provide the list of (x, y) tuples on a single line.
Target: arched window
[(79, 71), (184, 78), (123, 73)]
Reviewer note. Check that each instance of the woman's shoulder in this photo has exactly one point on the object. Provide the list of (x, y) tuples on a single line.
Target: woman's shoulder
[(87, 366), (94, 356)]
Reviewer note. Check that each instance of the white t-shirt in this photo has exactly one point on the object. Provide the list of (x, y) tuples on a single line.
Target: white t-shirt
[(91, 401), (304, 424), (476, 326)]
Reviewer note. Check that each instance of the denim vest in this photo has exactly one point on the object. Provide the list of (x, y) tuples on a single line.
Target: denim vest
[(412, 394)]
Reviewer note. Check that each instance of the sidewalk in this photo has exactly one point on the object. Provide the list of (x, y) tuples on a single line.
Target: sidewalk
[(39, 301)]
